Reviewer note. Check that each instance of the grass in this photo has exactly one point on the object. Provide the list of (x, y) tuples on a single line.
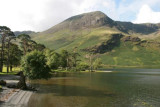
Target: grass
[(66, 39), (127, 55), (15, 70)]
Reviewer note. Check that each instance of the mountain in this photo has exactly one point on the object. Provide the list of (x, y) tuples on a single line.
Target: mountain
[(23, 32), (116, 43)]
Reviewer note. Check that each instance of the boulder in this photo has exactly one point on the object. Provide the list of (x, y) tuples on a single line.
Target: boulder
[(132, 39), (2, 82), (135, 39), (11, 86)]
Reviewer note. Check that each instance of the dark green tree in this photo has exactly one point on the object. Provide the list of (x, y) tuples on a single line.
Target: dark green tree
[(53, 59), (34, 66), (75, 60), (64, 59), (39, 47), (4, 33), (97, 64), (10, 37), (82, 66), (25, 42), (15, 56)]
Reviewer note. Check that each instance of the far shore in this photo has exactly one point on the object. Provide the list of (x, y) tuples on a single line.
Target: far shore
[(105, 71), (130, 66)]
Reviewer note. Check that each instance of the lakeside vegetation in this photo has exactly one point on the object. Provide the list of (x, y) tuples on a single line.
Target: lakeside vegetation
[(35, 61)]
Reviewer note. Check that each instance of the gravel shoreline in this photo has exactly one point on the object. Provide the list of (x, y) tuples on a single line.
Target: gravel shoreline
[(10, 97)]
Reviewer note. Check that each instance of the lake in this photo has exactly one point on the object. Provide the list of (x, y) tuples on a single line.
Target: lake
[(119, 88)]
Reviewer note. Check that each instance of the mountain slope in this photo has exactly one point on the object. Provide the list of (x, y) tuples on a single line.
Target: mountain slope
[(116, 43)]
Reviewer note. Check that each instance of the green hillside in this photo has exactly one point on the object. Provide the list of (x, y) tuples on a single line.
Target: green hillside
[(131, 54), (66, 39), (116, 43)]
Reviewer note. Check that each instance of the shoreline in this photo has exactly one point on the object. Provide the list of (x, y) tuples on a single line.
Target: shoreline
[(16, 98), (10, 97)]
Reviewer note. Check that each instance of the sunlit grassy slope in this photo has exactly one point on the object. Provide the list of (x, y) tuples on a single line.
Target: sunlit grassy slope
[(65, 39), (128, 54)]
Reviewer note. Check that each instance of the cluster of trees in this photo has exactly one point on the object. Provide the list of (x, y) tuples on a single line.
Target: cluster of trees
[(9, 52), (35, 59), (12, 48)]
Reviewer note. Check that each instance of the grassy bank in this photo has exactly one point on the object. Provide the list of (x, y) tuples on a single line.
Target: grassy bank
[(14, 71)]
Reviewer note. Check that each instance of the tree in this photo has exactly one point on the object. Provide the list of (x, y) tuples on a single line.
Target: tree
[(82, 66), (64, 59), (34, 66), (90, 57), (29, 45), (52, 59), (40, 47), (10, 37), (75, 59), (97, 63), (69, 60), (25, 39), (15, 55), (4, 32)]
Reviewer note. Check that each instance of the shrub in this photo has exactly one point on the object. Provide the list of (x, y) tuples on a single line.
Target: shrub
[(52, 59), (82, 66), (34, 66)]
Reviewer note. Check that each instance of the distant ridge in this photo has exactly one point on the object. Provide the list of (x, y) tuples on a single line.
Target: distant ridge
[(23, 32), (98, 19)]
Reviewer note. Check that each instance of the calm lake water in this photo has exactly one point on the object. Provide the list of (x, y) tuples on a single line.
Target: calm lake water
[(120, 88)]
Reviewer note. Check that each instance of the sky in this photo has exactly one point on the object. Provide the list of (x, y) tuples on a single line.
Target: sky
[(40, 15)]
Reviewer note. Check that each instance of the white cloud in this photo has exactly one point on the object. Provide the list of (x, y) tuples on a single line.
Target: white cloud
[(147, 15), (36, 15), (39, 15), (128, 9), (110, 9)]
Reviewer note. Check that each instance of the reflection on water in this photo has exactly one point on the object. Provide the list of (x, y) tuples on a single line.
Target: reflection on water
[(120, 88)]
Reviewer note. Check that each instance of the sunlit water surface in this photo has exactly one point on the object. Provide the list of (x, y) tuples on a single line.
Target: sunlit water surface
[(120, 88)]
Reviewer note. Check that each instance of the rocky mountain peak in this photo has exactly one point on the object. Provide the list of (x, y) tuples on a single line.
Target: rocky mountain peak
[(92, 19), (84, 21)]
